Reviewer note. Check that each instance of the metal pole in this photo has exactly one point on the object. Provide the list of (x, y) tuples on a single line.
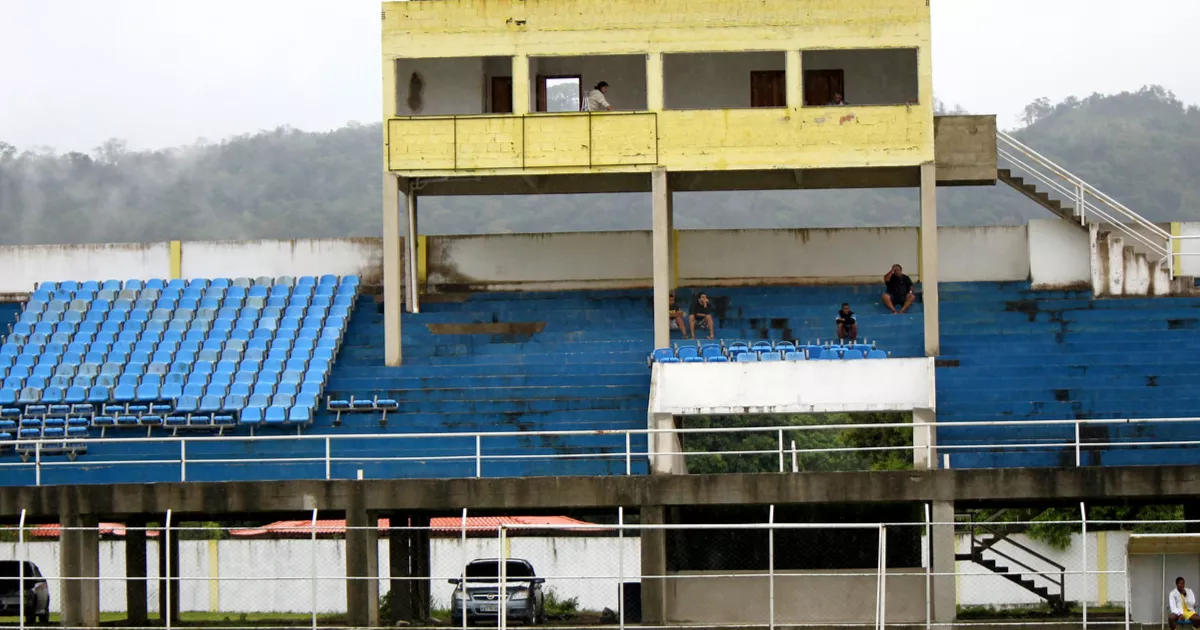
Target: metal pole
[(795, 463), (771, 565), (463, 576), (928, 567), (314, 568), (167, 564), (621, 567), (502, 594), (21, 570), (328, 459), (182, 460), (628, 453), (478, 455), (1128, 600), (37, 462), (879, 580), (1086, 587), (781, 450), (883, 578), (1078, 459)]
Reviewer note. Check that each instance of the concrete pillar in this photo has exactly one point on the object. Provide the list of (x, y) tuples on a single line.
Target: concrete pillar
[(925, 455), (135, 574), (168, 548), (942, 549), (668, 448), (660, 191), (522, 95), (80, 566), (929, 257), (362, 567), (412, 285), (408, 558), (392, 268), (654, 82), (654, 564), (794, 64)]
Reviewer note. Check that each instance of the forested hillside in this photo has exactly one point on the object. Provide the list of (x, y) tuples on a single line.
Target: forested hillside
[(1143, 148)]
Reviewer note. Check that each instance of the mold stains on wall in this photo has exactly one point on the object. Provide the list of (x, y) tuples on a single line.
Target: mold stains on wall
[(416, 92)]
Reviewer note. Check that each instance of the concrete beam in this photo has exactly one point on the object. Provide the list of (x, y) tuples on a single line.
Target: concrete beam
[(988, 486), (929, 259)]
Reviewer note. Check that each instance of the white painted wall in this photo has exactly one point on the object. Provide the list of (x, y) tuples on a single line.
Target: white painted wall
[(873, 77), (625, 74), (983, 254), (297, 257), (1059, 254), (683, 389), (1189, 261), (26, 265), (713, 80), (452, 85)]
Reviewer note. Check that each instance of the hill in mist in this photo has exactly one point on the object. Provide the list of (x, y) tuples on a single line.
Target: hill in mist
[(1143, 148)]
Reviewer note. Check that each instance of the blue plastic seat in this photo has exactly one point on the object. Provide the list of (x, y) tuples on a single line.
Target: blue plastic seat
[(720, 359), (98, 394), (687, 352), (693, 360), (275, 415), (29, 395), (850, 354), (770, 356), (877, 354), (171, 391), (187, 404), (251, 416), (209, 404), (661, 354), (711, 350), (794, 355), (147, 391), (747, 357)]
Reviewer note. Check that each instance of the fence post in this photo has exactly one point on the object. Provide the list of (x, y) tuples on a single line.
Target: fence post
[(502, 594), (781, 450), (182, 460), (628, 453), (37, 462), (21, 571), (879, 582), (478, 455), (621, 567), (771, 565), (928, 567), (1086, 586), (328, 459), (462, 602), (167, 551), (1078, 458), (314, 565), (883, 577), (795, 462)]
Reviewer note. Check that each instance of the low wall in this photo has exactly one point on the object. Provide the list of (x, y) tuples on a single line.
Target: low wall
[(792, 387), (1059, 254), (26, 265), (830, 597)]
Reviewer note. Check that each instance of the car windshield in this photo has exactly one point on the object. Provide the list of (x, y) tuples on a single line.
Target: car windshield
[(12, 569), (490, 570)]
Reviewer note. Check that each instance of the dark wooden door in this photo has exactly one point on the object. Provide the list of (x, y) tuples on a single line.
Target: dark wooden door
[(821, 85), (502, 95), (768, 88)]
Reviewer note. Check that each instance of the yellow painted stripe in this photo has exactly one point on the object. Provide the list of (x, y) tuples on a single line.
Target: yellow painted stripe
[(422, 260), (1102, 565), (1177, 246), (214, 578), (176, 259), (674, 258)]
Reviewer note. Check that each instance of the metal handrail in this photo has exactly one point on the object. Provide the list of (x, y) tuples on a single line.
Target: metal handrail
[(978, 547), (1072, 187)]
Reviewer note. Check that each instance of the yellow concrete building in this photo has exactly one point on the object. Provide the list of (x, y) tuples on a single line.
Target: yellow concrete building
[(491, 97)]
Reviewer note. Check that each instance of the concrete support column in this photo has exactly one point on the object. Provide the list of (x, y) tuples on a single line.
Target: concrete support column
[(929, 258), (80, 566), (942, 548), (408, 558), (522, 95), (412, 283), (654, 82), (654, 564), (392, 267), (362, 566), (663, 267), (794, 64), (925, 455), (135, 574), (168, 549), (668, 448)]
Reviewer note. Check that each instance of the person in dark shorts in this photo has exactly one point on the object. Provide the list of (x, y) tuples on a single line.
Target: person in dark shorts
[(899, 290), (701, 316), (847, 324)]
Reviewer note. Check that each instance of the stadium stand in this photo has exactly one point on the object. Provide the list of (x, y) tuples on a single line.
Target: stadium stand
[(86, 358), (1009, 353)]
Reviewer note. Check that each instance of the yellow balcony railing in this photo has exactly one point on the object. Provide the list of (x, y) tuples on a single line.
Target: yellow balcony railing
[(534, 141)]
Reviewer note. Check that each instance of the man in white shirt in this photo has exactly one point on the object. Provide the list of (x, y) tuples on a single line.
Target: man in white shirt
[(597, 100), (1182, 602)]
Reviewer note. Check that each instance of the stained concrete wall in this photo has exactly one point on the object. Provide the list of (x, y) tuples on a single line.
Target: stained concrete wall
[(873, 77), (713, 80), (452, 85), (26, 265), (799, 598), (297, 257), (792, 387), (1059, 254), (965, 149), (1189, 262)]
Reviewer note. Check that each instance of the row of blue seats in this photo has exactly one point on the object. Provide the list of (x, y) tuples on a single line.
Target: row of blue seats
[(798, 355), (194, 283), (59, 304), (688, 353), (288, 383), (296, 311), (101, 347), (353, 404)]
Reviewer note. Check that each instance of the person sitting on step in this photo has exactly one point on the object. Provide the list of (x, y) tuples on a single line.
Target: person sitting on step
[(701, 316), (675, 314), (847, 324), (899, 290)]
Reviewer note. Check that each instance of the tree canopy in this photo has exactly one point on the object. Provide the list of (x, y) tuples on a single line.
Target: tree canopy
[(1140, 147)]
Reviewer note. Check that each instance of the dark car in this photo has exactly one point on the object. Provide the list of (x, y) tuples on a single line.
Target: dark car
[(478, 593), (37, 592)]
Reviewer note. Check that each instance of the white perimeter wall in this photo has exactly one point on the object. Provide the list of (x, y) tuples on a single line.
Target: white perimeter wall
[(298, 257), (26, 265), (1189, 263), (1059, 254), (792, 387)]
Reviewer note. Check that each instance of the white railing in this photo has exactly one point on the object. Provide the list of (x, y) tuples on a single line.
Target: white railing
[(331, 450), (1091, 205)]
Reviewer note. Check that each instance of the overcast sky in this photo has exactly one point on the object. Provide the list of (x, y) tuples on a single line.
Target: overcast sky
[(74, 73)]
